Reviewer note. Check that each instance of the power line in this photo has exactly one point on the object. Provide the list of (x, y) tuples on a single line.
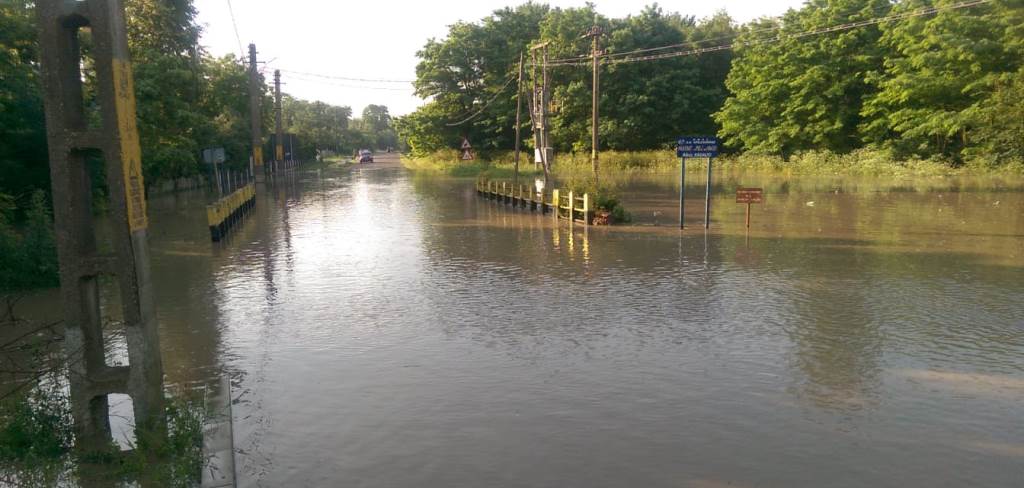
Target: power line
[(238, 38), (344, 85), (345, 78), (487, 104), (768, 40), (697, 42)]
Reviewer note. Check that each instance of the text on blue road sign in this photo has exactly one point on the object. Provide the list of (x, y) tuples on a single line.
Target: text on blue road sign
[(697, 147)]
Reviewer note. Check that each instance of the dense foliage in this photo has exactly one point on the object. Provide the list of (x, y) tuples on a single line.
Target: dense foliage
[(946, 85), (643, 105)]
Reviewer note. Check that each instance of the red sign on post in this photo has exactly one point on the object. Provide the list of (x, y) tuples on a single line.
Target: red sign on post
[(748, 196)]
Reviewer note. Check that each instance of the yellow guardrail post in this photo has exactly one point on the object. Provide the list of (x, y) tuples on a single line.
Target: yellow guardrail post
[(572, 203), (587, 210), (555, 202)]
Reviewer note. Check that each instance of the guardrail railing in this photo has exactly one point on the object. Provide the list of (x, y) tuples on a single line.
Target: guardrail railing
[(562, 204)]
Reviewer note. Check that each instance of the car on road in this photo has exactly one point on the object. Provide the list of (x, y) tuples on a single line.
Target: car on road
[(365, 156)]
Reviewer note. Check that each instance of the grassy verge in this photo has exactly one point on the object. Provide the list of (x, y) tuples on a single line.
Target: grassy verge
[(329, 162), (620, 165), (493, 165)]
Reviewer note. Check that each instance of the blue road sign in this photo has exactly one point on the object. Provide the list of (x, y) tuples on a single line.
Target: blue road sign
[(697, 147)]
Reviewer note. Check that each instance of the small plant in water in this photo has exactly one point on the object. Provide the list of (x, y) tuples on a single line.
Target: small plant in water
[(608, 202)]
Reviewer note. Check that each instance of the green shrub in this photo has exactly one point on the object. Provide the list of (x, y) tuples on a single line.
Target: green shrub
[(610, 203), (175, 461), (36, 436), (28, 254), (35, 426)]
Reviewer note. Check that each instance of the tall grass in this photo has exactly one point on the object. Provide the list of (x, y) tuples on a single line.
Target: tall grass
[(488, 164), (621, 165)]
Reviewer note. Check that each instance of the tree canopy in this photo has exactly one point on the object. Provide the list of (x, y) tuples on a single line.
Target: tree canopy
[(943, 84), (470, 75)]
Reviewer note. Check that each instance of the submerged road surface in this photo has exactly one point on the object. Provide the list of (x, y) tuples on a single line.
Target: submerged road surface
[(385, 329)]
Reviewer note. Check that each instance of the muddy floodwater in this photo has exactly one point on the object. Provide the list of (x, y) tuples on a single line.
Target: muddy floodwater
[(385, 329)]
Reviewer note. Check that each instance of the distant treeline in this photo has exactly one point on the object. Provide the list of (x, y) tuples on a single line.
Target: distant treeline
[(947, 85), (187, 100)]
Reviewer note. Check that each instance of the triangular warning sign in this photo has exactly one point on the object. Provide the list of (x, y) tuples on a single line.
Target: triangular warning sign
[(467, 154), (465, 144)]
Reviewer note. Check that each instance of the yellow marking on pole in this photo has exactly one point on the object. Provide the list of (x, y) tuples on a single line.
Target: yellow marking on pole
[(279, 152), (257, 156), (131, 154)]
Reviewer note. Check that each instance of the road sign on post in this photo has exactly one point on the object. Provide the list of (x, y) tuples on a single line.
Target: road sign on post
[(467, 150), (749, 196), (696, 147)]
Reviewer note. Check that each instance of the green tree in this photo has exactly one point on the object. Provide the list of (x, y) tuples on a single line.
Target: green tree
[(163, 40), (468, 76), (23, 158), (947, 75), (646, 105), (318, 125), (224, 103), (377, 117), (803, 91), (468, 72)]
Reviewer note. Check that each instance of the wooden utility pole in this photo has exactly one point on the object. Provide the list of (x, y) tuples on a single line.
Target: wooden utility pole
[(519, 104), (278, 131), (595, 34), (254, 114)]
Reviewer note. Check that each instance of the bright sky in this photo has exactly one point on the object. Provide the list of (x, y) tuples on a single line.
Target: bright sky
[(378, 39)]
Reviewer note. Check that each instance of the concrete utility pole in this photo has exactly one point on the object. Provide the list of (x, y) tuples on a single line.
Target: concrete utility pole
[(541, 100), (72, 140), (595, 34), (519, 105), (279, 134), (254, 115), (534, 112)]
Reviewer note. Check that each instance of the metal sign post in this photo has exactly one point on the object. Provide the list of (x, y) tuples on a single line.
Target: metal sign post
[(698, 147), (682, 190), (707, 199)]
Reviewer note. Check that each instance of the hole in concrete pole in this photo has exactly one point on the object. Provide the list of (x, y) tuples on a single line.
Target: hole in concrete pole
[(122, 421), (87, 75), (115, 343), (94, 177)]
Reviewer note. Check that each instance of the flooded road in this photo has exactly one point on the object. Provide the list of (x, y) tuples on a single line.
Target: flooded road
[(385, 330)]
